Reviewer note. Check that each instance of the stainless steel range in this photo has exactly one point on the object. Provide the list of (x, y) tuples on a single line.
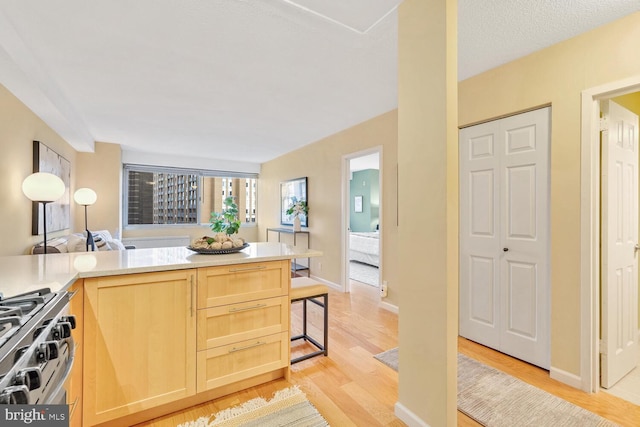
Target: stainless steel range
[(36, 347)]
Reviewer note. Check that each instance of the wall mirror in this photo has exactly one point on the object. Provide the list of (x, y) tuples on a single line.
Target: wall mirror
[(292, 191)]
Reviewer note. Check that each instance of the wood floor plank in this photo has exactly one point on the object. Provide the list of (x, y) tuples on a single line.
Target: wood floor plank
[(351, 388)]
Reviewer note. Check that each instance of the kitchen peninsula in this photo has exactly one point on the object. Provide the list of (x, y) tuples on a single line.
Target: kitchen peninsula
[(163, 329)]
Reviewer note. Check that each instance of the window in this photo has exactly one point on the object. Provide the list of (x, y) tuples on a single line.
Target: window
[(158, 196)]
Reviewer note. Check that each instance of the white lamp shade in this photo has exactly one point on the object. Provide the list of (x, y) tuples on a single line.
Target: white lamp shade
[(43, 187), (85, 196)]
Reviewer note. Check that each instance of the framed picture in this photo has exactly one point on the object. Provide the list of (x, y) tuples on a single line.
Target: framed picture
[(357, 204), (292, 191), (58, 212)]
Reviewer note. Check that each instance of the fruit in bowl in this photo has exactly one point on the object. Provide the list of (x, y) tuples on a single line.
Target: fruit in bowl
[(218, 242)]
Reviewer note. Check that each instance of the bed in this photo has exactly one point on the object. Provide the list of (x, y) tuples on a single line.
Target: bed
[(365, 247)]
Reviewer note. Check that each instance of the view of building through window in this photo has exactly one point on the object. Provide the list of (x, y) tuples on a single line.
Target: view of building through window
[(161, 197)]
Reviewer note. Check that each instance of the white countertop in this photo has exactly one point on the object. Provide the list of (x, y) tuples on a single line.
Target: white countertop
[(24, 273)]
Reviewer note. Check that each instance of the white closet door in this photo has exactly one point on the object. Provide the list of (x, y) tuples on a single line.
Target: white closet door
[(504, 235), (479, 234), (524, 280)]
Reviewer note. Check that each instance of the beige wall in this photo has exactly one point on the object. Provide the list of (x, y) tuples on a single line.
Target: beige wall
[(18, 128), (556, 76), (101, 171), (321, 162), (427, 141)]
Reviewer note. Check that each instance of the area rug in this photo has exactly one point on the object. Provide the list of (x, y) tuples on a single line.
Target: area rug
[(389, 358), (288, 407), (364, 273), (496, 399)]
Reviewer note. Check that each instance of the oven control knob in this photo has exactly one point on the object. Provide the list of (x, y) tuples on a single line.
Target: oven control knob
[(29, 377), (65, 329), (15, 395), (70, 319), (54, 349), (41, 353)]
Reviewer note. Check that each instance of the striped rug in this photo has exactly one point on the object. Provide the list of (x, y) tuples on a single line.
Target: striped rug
[(288, 407), (496, 399)]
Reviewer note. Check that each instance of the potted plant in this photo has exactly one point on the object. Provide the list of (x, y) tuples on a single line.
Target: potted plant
[(226, 221), (225, 224), (297, 208)]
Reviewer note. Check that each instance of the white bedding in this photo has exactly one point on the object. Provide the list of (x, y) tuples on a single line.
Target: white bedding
[(365, 247)]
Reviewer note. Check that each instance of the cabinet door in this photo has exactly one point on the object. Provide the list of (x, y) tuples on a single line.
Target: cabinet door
[(231, 284), (74, 396), (140, 349)]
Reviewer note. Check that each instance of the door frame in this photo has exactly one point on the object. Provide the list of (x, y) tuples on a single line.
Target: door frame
[(346, 211), (590, 227)]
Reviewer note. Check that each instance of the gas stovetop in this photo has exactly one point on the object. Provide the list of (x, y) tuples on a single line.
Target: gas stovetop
[(16, 311), (35, 345)]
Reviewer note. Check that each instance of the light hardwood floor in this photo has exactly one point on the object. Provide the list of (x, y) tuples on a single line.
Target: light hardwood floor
[(351, 388)]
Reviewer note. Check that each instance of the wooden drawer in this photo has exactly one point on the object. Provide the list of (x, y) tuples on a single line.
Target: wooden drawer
[(227, 364), (228, 324), (233, 284)]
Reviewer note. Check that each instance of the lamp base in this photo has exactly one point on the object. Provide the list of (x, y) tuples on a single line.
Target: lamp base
[(90, 242)]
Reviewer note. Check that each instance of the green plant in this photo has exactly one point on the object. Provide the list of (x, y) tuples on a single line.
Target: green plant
[(226, 221)]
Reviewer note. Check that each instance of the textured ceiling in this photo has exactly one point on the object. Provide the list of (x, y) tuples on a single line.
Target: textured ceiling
[(243, 80)]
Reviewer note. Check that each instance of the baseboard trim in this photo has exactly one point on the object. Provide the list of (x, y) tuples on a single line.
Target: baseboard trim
[(328, 283), (390, 307), (565, 377), (408, 417)]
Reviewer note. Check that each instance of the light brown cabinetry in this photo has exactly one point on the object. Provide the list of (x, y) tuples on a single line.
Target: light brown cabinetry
[(139, 343), (74, 395), (243, 322)]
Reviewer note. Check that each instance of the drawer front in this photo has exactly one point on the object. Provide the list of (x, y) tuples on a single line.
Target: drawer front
[(239, 322), (238, 283), (227, 364)]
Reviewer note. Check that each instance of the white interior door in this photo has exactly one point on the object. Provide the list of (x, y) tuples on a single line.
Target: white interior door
[(480, 250), (504, 235), (525, 290), (619, 239)]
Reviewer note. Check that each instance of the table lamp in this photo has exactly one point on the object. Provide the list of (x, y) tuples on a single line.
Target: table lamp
[(43, 187), (86, 197)]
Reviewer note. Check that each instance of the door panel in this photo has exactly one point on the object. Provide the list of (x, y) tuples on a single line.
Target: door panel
[(504, 238), (482, 295), (522, 307), (619, 237), (482, 203), (521, 209)]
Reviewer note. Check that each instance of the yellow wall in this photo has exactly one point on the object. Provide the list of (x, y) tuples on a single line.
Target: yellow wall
[(18, 128), (427, 141), (321, 162), (556, 76)]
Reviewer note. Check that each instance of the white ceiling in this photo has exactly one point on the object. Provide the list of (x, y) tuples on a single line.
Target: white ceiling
[(242, 80)]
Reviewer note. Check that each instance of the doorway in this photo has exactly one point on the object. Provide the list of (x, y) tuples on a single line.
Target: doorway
[(362, 210), (619, 256), (595, 332)]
